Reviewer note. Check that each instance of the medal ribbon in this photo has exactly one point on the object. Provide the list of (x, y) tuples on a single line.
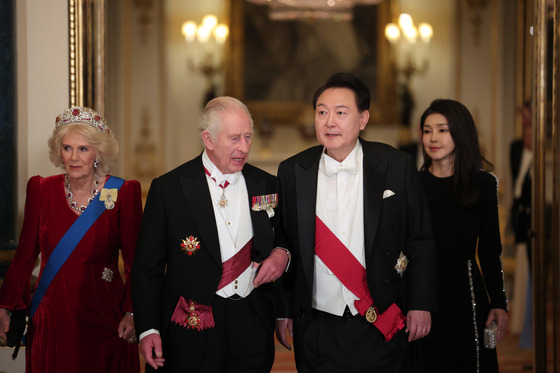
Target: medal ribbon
[(236, 265), (352, 274)]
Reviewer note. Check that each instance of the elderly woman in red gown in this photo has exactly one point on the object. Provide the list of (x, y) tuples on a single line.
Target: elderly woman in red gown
[(81, 311)]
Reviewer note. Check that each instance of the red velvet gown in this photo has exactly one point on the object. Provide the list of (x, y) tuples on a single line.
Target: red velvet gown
[(75, 327)]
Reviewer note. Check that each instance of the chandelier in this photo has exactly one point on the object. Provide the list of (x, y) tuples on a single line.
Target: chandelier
[(289, 10)]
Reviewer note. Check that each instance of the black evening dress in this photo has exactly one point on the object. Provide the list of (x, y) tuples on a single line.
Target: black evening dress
[(469, 281)]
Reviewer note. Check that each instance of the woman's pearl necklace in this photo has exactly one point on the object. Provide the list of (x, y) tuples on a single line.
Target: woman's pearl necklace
[(69, 194)]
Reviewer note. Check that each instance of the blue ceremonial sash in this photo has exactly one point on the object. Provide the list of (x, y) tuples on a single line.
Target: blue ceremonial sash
[(69, 241)]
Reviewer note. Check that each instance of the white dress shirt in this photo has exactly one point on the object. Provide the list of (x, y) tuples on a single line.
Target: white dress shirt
[(524, 168), (340, 205), (233, 221)]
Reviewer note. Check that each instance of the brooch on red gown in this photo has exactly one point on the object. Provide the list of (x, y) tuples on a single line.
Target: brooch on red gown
[(190, 245), (109, 197), (107, 274)]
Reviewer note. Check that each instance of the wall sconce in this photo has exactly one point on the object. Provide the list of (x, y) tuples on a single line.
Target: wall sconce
[(205, 49), (409, 55)]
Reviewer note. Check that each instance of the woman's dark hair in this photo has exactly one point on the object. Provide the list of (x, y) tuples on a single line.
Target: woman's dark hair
[(467, 160), (350, 81)]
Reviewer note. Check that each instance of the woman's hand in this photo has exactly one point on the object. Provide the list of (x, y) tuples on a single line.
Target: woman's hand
[(4, 324), (502, 319), (126, 328)]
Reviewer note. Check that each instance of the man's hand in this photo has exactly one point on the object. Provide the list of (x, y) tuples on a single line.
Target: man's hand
[(418, 324), (4, 324), (272, 267), (150, 348), (281, 327)]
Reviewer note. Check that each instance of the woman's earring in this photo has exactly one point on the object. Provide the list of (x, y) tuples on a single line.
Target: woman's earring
[(96, 163)]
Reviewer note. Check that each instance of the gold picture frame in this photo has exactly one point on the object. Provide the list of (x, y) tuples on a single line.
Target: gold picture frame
[(86, 50), (384, 89)]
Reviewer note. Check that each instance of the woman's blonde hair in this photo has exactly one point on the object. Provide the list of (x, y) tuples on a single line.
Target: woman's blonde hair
[(105, 145)]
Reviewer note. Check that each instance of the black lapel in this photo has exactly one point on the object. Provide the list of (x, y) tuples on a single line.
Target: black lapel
[(199, 203), (306, 173), (375, 169), (262, 232)]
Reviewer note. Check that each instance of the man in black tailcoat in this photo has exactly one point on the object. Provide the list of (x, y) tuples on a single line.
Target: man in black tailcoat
[(362, 283), (206, 259)]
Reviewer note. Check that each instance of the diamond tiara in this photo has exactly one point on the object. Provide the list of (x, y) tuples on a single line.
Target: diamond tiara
[(77, 114)]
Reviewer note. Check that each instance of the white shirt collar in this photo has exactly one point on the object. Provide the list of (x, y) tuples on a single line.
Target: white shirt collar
[(349, 164), (216, 174)]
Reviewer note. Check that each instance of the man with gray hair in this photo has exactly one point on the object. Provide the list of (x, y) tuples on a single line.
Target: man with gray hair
[(207, 256)]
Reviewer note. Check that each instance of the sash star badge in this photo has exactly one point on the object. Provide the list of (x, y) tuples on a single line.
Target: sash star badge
[(193, 320), (401, 265), (190, 245), (266, 203), (371, 315), (192, 315)]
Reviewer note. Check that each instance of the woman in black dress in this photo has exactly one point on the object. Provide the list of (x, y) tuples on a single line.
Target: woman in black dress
[(463, 201)]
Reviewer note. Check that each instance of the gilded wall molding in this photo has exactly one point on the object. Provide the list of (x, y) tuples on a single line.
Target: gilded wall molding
[(74, 53), (86, 43)]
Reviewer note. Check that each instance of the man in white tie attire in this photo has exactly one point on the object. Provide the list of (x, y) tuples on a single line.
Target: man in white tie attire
[(361, 285), (206, 259)]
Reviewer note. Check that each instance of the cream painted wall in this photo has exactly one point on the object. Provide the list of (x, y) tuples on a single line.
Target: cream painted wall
[(135, 88), (439, 80), (42, 83), (185, 89), (487, 84)]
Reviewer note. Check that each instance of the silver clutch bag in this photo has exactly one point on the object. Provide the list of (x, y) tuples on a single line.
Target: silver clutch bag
[(490, 335)]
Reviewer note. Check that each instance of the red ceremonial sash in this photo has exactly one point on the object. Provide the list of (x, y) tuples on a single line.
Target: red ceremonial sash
[(236, 265), (193, 315), (352, 274)]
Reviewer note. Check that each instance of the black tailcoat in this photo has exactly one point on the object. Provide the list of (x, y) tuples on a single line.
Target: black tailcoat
[(393, 225), (179, 205)]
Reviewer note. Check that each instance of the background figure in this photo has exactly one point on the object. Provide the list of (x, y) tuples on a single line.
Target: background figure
[(83, 323), (407, 104), (354, 210), (521, 160), (209, 227), (410, 146), (463, 202)]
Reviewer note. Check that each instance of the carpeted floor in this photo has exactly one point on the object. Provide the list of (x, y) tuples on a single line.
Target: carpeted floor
[(511, 358)]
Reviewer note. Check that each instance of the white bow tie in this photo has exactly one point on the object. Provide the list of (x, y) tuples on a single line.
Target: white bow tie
[(221, 179), (332, 168)]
